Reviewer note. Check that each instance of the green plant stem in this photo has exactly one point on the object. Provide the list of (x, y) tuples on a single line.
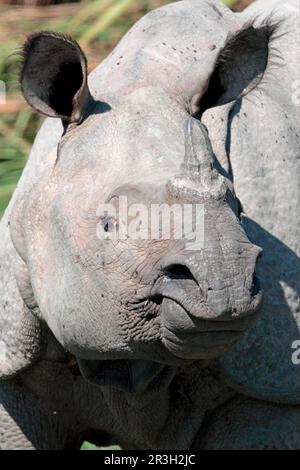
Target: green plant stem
[(105, 21)]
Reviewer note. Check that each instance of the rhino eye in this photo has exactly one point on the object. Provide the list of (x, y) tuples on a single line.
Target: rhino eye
[(109, 224)]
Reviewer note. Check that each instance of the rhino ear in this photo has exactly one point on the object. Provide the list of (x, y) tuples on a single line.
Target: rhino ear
[(239, 67), (54, 76)]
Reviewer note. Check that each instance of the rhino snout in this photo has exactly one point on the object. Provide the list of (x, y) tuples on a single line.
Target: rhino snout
[(204, 319), (211, 300)]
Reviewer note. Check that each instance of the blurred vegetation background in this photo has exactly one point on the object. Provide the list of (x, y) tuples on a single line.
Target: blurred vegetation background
[(96, 24)]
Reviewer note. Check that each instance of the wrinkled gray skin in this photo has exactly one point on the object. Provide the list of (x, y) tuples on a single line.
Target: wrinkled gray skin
[(147, 343)]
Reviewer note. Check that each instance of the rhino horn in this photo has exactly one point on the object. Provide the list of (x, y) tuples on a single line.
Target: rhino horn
[(198, 161)]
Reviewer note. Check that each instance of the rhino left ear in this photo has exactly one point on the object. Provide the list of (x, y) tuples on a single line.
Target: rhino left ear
[(54, 76), (240, 66)]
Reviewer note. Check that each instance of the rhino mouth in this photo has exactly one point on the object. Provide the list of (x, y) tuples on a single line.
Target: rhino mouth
[(190, 328), (198, 339), (178, 285)]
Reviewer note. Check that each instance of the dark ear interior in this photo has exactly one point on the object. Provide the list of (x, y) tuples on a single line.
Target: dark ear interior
[(239, 67), (54, 76)]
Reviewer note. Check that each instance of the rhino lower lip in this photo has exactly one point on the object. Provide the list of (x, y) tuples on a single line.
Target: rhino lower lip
[(237, 326), (217, 334), (197, 346), (194, 338)]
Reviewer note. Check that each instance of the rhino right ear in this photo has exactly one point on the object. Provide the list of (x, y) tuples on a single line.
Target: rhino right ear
[(54, 76)]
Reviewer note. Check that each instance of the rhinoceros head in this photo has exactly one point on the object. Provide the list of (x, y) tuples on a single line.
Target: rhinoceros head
[(123, 294)]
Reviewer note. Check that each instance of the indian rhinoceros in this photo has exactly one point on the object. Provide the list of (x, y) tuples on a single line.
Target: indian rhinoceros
[(153, 343)]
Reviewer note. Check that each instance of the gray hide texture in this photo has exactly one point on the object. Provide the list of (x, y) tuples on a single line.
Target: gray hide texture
[(147, 344)]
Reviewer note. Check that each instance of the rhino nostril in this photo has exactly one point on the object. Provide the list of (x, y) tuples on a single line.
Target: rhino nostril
[(178, 271), (156, 298)]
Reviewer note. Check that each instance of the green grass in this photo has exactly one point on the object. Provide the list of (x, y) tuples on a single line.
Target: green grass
[(89, 446)]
